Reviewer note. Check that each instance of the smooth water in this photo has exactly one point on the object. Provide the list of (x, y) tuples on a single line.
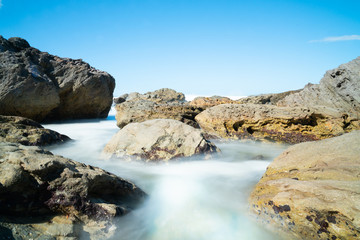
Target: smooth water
[(199, 200)]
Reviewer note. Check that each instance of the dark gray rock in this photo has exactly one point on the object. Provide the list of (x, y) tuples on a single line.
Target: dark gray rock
[(27, 132), (42, 87), (39, 184)]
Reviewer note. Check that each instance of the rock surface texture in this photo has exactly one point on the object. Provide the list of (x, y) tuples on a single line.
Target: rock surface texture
[(41, 86), (267, 122), (206, 102), (27, 132), (328, 109), (163, 103), (158, 139), (312, 190), (272, 98), (35, 182), (338, 93)]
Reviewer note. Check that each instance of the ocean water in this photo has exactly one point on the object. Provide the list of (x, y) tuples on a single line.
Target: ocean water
[(197, 200)]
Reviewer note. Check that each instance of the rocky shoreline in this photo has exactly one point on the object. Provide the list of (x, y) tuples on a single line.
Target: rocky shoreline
[(310, 191)]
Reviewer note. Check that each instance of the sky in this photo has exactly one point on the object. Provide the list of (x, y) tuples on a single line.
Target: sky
[(198, 47)]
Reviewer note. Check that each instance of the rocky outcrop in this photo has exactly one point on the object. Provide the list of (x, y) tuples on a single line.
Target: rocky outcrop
[(316, 112), (159, 139), (267, 122), (312, 190), (272, 98), (34, 182), (42, 87), (163, 95), (206, 102), (27, 132), (338, 93), (161, 104)]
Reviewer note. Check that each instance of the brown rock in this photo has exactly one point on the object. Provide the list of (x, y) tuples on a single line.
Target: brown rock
[(267, 122), (206, 102), (142, 110), (312, 190), (41, 86)]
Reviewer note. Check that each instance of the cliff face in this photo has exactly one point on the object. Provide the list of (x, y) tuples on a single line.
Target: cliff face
[(41, 86)]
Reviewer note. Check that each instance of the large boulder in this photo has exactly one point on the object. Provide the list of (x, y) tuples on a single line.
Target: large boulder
[(142, 110), (312, 190), (338, 93), (158, 139), (34, 182), (27, 132), (161, 104), (41, 86), (268, 122)]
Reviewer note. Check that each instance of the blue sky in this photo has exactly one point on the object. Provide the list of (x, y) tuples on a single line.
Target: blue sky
[(203, 47)]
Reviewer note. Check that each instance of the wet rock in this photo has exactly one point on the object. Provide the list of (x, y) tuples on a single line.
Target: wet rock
[(36, 183), (267, 122), (27, 132), (161, 104), (312, 190), (206, 102), (158, 139), (41, 86), (338, 93)]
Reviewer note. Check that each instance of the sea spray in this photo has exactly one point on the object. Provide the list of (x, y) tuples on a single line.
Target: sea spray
[(198, 199)]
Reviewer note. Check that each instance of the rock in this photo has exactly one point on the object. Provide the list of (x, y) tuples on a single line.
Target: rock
[(27, 132), (267, 122), (142, 110), (44, 87), (206, 102), (158, 139), (272, 98), (338, 93), (164, 103), (312, 190), (163, 95), (36, 183)]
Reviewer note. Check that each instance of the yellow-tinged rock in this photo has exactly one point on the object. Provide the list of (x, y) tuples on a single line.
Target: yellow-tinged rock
[(312, 190)]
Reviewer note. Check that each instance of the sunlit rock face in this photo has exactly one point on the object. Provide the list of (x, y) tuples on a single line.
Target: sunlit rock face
[(272, 98), (328, 109), (206, 102), (272, 123), (37, 183), (337, 95), (164, 103), (41, 86), (159, 139), (27, 132), (312, 190)]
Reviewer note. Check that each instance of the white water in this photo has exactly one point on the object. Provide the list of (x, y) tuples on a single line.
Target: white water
[(197, 200)]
